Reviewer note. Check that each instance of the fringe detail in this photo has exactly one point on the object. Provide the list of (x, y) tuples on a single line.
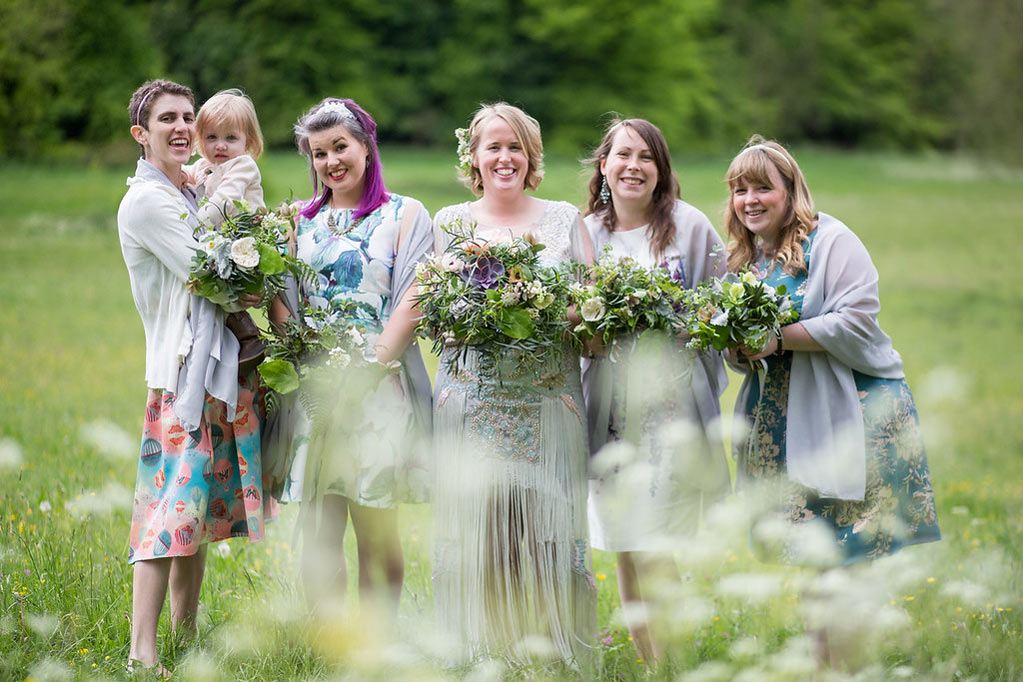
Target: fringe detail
[(512, 573)]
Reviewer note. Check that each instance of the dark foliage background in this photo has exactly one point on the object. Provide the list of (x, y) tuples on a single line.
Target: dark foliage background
[(906, 74)]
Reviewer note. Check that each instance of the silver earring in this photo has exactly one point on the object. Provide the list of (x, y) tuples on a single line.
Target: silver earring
[(605, 191)]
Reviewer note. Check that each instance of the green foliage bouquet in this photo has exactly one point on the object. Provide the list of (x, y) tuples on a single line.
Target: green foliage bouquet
[(310, 355), (738, 311), (491, 298), (243, 255), (624, 298)]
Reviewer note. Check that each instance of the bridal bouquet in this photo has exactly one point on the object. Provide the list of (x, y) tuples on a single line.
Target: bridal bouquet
[(623, 298), (738, 310), (491, 297), (243, 255)]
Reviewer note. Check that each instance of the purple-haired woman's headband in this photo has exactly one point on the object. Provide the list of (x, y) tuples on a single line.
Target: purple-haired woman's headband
[(338, 107)]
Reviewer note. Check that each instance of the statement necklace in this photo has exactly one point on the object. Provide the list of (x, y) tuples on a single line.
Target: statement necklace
[(340, 230)]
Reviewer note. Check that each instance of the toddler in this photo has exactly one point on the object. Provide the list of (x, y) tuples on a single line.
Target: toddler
[(230, 141)]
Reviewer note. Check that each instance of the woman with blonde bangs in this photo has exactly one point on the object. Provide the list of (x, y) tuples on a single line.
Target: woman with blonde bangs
[(512, 563), (641, 506), (832, 414)]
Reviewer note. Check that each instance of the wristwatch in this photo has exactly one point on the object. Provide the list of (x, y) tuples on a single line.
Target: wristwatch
[(780, 350)]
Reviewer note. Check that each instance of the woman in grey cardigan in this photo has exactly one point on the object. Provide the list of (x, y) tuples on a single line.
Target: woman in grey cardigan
[(832, 416), (647, 494)]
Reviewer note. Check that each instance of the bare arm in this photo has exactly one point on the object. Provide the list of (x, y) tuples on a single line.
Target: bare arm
[(400, 328)]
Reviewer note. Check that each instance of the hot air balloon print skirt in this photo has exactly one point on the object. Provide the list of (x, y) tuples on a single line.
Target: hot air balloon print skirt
[(202, 485)]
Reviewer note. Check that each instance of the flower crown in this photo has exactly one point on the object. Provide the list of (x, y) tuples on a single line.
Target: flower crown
[(464, 153)]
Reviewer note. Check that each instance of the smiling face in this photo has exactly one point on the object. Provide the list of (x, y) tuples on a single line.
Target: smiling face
[(500, 158), (340, 163), (761, 205), (630, 168), (222, 143), (169, 133)]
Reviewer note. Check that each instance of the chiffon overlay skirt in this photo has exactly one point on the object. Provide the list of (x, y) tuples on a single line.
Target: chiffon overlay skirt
[(512, 575), (198, 486)]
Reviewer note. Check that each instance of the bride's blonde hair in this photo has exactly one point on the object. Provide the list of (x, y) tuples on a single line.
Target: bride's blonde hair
[(752, 165)]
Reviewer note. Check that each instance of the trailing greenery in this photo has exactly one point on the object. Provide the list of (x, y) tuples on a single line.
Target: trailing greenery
[(899, 73)]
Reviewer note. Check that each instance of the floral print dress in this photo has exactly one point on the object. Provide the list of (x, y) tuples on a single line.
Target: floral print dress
[(898, 508), (371, 459)]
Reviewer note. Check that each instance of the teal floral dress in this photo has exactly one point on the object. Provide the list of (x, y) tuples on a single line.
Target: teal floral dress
[(898, 508), (371, 458)]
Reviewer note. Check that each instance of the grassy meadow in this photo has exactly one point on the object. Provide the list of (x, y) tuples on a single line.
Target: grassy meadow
[(945, 235)]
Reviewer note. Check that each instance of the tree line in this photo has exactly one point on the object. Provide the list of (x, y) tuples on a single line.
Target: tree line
[(906, 74)]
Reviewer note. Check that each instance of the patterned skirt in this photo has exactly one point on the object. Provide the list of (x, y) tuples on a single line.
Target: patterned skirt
[(202, 485), (898, 508)]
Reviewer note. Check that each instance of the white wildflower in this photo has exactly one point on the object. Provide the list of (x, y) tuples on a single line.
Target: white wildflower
[(45, 506), (109, 439), (43, 624), (10, 454), (244, 253), (752, 587), (223, 549), (49, 670)]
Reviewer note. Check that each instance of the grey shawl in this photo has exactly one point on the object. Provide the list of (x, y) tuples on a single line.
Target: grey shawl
[(211, 363), (825, 441), (416, 243), (702, 258)]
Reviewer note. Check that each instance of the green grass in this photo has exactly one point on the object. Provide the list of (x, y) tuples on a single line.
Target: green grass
[(943, 232)]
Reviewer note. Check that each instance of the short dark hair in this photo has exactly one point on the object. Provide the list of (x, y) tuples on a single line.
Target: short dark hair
[(141, 103)]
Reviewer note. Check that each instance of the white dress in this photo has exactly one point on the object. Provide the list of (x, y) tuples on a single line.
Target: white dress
[(511, 559), (659, 468)]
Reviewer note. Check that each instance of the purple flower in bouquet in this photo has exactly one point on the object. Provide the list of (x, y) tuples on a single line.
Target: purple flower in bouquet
[(484, 272)]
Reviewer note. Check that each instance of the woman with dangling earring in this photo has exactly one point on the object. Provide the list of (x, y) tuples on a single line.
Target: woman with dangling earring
[(657, 402)]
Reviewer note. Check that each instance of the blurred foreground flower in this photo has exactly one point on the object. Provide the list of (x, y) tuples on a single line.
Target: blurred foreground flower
[(49, 670), (109, 440), (112, 497), (42, 624), (10, 454)]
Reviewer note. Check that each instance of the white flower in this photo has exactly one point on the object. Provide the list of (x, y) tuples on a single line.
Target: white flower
[(356, 336), (721, 319), (459, 308), (211, 241), (593, 309), (244, 253), (510, 296), (223, 549), (451, 262), (338, 358), (533, 313), (45, 506)]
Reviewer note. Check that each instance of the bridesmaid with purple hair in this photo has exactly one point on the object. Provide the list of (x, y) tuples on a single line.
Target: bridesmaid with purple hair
[(363, 243)]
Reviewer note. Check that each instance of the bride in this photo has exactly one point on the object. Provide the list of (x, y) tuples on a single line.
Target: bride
[(512, 573)]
